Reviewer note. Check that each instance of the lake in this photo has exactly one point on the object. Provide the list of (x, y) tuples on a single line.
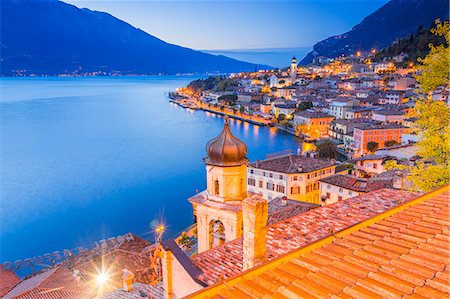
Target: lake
[(84, 159)]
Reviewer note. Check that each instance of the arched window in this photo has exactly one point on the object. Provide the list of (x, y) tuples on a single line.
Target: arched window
[(216, 233)]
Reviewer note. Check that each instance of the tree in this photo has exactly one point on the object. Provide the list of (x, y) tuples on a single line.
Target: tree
[(389, 143), (304, 106), (326, 149), (241, 109), (432, 171), (372, 146)]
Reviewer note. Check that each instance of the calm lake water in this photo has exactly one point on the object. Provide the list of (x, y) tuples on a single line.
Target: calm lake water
[(89, 158)]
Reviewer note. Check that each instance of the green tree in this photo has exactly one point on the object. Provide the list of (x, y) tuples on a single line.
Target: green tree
[(326, 149), (432, 124), (372, 146), (389, 143)]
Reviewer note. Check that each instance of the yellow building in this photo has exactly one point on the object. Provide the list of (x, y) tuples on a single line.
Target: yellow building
[(294, 176), (312, 124)]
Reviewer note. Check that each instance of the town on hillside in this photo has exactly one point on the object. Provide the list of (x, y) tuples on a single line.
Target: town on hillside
[(336, 219)]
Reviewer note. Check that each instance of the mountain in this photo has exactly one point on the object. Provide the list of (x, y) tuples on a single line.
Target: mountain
[(396, 19), (50, 37)]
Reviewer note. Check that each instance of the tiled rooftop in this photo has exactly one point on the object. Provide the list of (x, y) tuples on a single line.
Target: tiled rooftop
[(291, 234), (8, 279), (404, 255), (309, 114), (59, 281), (359, 184), (291, 164)]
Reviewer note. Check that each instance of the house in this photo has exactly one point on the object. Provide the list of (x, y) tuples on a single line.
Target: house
[(339, 187), (370, 165), (273, 81), (247, 97), (340, 127), (375, 133), (338, 107), (293, 176), (360, 112), (389, 116), (287, 109), (392, 97), (312, 124), (399, 151)]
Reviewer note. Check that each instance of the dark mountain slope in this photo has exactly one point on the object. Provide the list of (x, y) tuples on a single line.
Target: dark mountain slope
[(52, 37), (396, 19)]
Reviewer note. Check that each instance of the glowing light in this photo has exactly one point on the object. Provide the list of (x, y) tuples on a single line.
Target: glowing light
[(160, 229), (102, 278), (358, 54), (374, 51)]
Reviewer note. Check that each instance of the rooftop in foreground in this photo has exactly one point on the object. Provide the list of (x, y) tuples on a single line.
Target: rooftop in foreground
[(402, 252), (296, 232)]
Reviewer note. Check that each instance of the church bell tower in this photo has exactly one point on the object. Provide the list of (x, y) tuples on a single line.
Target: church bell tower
[(218, 209)]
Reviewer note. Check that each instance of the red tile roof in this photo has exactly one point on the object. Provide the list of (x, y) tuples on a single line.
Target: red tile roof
[(291, 164), (405, 255), (8, 279), (359, 184), (291, 234)]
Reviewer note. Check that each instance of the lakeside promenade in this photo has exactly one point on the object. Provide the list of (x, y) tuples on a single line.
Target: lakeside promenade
[(195, 104)]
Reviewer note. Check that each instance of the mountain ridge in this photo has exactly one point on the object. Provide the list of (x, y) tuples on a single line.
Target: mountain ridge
[(395, 19), (50, 37)]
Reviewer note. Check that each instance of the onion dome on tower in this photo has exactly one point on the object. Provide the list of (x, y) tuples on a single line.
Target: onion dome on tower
[(225, 149)]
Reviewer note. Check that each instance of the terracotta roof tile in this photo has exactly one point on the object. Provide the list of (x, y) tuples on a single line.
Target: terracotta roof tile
[(8, 280), (384, 263), (291, 164)]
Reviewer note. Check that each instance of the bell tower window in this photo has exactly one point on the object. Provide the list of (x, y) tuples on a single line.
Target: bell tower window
[(216, 187)]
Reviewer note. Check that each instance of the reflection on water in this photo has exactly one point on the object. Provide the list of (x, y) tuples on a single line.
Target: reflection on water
[(88, 158)]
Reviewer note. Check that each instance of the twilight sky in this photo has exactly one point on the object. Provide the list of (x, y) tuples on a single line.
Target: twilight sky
[(249, 24)]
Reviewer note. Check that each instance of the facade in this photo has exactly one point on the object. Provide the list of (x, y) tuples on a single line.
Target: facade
[(389, 116), (312, 124), (294, 176), (337, 108), (365, 133)]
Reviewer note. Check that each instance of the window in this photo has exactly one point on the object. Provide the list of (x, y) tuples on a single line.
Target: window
[(294, 178), (375, 165), (264, 173), (328, 187), (295, 190), (308, 188), (251, 171), (251, 182), (316, 186), (281, 177), (260, 184), (350, 193), (308, 177), (270, 175), (270, 186), (339, 198), (216, 187), (340, 190), (327, 195), (280, 188)]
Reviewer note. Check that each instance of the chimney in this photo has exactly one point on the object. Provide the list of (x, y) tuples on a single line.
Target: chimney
[(398, 180), (284, 201), (255, 213)]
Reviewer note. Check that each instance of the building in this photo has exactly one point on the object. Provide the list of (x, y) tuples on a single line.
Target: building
[(312, 124), (287, 109), (342, 186), (392, 97), (294, 176), (379, 134), (339, 107), (389, 116), (370, 165), (218, 208), (400, 251), (293, 69)]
